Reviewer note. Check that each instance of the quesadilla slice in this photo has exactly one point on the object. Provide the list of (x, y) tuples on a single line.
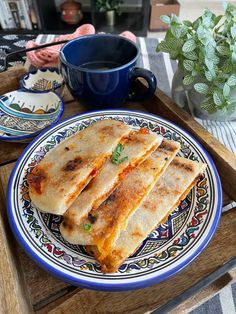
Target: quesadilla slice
[(170, 189), (136, 148), (64, 172), (103, 225)]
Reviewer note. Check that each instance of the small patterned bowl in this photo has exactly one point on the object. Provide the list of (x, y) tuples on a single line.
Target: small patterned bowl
[(23, 114), (43, 80)]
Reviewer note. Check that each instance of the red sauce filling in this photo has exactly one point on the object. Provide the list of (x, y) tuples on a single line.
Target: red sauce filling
[(93, 172), (144, 131)]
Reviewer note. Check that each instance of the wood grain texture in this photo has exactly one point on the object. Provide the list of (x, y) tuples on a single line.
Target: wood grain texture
[(13, 291), (10, 79), (148, 299), (203, 295), (225, 161), (40, 284)]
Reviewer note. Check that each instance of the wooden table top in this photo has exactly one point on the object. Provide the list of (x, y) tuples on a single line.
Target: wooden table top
[(26, 288)]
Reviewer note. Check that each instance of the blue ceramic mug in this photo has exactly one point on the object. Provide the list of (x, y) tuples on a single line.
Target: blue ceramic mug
[(99, 70)]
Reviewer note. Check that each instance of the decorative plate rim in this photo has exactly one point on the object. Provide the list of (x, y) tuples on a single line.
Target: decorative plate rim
[(119, 285)]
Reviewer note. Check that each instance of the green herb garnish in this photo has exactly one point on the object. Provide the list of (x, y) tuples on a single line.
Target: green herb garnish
[(87, 227), (115, 158)]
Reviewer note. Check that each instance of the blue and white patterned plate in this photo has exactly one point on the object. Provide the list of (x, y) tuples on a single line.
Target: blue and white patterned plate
[(166, 251), (23, 115)]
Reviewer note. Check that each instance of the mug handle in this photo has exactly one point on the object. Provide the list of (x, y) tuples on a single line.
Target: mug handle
[(149, 77)]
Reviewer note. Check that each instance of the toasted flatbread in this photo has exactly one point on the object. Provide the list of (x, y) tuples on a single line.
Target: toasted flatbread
[(170, 189), (136, 148), (63, 173), (112, 216)]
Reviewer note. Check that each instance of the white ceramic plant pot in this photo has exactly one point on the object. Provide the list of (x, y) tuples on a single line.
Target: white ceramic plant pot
[(187, 98)]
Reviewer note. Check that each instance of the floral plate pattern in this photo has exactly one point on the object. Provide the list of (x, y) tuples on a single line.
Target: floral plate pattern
[(166, 251)]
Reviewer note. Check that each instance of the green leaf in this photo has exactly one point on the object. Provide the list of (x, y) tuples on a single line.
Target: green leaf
[(201, 31), (189, 45), (209, 106), (87, 227), (175, 19), (164, 46), (232, 80), (217, 19), (168, 35), (215, 59), (188, 23), (190, 55), (206, 21), (226, 90), (227, 66), (223, 50), (176, 31), (116, 155), (184, 30), (188, 65), (174, 54), (233, 57), (233, 31), (218, 98), (209, 63), (188, 79), (210, 51), (201, 88), (196, 23), (209, 76), (171, 45), (165, 19)]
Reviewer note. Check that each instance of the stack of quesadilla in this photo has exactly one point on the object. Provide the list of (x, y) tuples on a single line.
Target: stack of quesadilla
[(109, 219), (113, 185), (170, 189), (136, 149)]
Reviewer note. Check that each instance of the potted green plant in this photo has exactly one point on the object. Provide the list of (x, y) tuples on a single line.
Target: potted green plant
[(206, 53), (111, 7)]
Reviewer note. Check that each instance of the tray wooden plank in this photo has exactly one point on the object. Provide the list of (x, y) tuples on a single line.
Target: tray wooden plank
[(13, 292), (21, 277), (10, 79)]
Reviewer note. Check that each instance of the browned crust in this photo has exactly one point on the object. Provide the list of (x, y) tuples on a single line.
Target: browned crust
[(36, 179), (106, 265), (70, 218), (84, 183), (178, 164), (73, 164), (168, 146)]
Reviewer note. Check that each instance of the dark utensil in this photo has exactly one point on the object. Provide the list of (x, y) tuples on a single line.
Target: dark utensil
[(9, 55), (203, 283)]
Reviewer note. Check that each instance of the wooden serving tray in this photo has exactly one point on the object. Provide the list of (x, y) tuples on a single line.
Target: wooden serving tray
[(26, 288)]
